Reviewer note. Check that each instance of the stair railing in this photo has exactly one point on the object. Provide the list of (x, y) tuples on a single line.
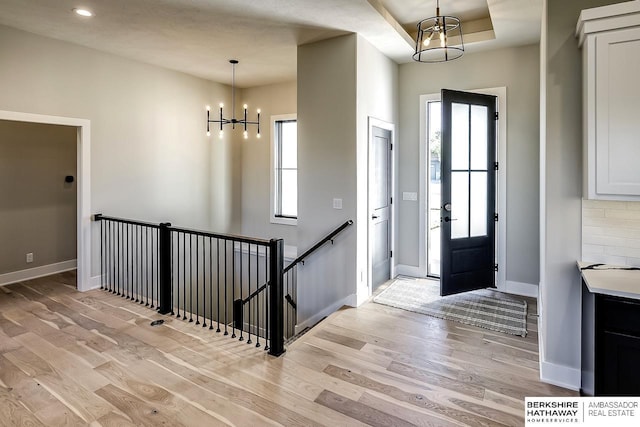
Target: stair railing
[(290, 287), (197, 276)]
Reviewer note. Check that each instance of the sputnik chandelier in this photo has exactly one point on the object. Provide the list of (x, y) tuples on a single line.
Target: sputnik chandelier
[(233, 121)]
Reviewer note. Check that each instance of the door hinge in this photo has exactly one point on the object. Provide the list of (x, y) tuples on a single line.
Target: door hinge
[(495, 216), (495, 267), (390, 254), (391, 200), (495, 166), (496, 115), (390, 146)]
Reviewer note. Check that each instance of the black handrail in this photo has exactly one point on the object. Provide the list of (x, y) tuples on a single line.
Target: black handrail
[(315, 247), (100, 217), (298, 260)]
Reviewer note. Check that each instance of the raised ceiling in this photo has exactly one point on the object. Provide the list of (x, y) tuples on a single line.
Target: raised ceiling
[(198, 37)]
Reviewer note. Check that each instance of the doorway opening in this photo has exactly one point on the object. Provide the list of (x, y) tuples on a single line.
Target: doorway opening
[(431, 213), (83, 202)]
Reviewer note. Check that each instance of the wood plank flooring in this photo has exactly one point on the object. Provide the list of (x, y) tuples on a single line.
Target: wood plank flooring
[(70, 358)]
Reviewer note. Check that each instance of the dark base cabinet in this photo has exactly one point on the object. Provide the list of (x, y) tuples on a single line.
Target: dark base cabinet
[(611, 354)]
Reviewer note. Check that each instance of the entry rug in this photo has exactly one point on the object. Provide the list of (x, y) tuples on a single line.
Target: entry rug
[(470, 308)]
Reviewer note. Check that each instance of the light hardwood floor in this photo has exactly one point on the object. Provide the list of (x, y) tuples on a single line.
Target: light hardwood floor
[(70, 358)]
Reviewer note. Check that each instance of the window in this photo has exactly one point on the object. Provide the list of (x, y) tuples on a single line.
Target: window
[(284, 183)]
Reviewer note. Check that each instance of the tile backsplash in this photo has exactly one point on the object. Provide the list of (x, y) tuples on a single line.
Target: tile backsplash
[(611, 232)]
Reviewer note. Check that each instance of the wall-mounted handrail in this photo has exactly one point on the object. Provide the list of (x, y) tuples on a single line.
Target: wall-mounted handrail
[(300, 259), (315, 247)]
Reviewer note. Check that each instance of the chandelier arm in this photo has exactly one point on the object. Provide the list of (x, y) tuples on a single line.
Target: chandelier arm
[(233, 121)]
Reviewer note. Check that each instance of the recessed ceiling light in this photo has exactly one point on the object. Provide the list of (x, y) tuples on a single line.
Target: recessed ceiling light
[(83, 12)]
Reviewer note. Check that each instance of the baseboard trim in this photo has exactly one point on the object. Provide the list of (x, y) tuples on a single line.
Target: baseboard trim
[(95, 283), (408, 270), (351, 301), (520, 288), (34, 273), (558, 375)]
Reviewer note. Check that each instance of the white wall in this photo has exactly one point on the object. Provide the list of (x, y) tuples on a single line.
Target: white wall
[(377, 81), (255, 188), (518, 70), (150, 156), (561, 168), (341, 83), (327, 135)]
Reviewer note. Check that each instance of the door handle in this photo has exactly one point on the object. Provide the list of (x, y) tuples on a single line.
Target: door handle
[(374, 216), (447, 207)]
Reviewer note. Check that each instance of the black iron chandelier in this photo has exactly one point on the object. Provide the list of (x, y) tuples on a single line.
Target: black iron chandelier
[(233, 121), (439, 38)]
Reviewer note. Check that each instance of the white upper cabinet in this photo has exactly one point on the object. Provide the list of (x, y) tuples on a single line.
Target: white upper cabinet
[(610, 41)]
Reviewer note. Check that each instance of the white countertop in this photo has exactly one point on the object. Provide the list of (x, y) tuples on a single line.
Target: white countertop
[(611, 280)]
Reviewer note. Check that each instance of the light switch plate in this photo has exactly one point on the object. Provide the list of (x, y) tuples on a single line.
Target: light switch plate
[(337, 203), (407, 195)]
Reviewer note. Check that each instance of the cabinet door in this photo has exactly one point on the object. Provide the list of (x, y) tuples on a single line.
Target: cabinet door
[(618, 374), (617, 112)]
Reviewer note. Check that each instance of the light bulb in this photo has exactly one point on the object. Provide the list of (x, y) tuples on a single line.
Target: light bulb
[(221, 134), (221, 105), (258, 136), (245, 106), (428, 40), (83, 12), (258, 111), (208, 133), (245, 134), (208, 107)]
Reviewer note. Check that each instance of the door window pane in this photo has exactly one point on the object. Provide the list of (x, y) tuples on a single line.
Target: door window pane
[(459, 136), (459, 205), (478, 204), (479, 137)]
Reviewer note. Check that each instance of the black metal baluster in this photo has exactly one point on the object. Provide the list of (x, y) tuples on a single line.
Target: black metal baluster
[(178, 270), (265, 299), (226, 285), (146, 267), (102, 242), (190, 278), (241, 308), (184, 275), (211, 282), (112, 281), (119, 268), (130, 261), (197, 280), (154, 257), (107, 256), (126, 269), (233, 288), (171, 243), (140, 268), (204, 281), (218, 282), (258, 300), (248, 288)]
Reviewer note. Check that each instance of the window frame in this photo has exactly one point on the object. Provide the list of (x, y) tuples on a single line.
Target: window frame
[(274, 199)]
